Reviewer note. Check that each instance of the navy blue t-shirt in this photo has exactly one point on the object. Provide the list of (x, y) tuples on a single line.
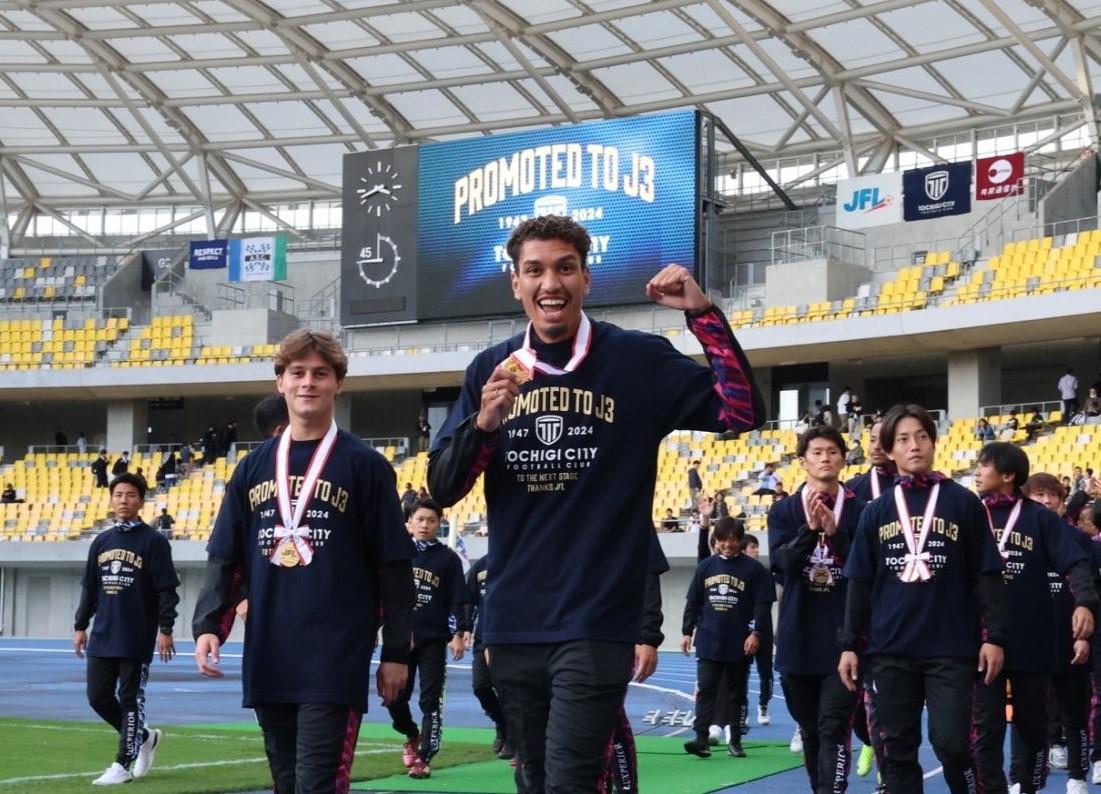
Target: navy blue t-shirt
[(1062, 599), (441, 592), (726, 591), (476, 579), (1095, 570), (568, 480), (813, 606), (1038, 543), (311, 628), (125, 572), (937, 618), (861, 484)]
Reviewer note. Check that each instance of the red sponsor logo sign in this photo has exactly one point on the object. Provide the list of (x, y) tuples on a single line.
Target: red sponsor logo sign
[(999, 176)]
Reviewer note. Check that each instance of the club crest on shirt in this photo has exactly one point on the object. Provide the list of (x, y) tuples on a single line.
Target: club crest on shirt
[(548, 429)]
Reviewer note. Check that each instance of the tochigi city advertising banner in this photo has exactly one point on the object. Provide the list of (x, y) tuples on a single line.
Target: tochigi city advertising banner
[(936, 191), (999, 177), (631, 182), (873, 200)]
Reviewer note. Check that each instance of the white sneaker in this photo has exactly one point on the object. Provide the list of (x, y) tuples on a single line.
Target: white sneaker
[(1057, 756), (1096, 772), (1015, 788), (116, 773), (726, 734), (796, 745), (762, 715), (714, 735), (144, 762), (1077, 787)]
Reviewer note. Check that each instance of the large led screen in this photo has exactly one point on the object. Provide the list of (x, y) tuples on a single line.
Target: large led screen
[(631, 182)]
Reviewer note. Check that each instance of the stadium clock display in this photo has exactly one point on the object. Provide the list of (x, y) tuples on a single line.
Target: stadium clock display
[(378, 264), (379, 189)]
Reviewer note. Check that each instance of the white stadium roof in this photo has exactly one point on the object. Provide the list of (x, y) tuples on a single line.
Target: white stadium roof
[(221, 103)]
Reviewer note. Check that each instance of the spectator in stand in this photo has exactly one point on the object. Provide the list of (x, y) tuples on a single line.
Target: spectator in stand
[(9, 496), (168, 471), (983, 431), (81, 443), (408, 499), (121, 465), (780, 493), (212, 445), (693, 521), (670, 523), (1009, 429), (164, 522), (229, 437), (843, 406), (1092, 408), (1078, 481), (855, 454), (1035, 425), (856, 409), (99, 469), (424, 432), (822, 414), (187, 461), (60, 439), (719, 507), (767, 482), (695, 482), (1068, 393)]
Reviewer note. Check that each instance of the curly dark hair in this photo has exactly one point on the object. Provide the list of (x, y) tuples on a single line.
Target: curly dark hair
[(550, 227)]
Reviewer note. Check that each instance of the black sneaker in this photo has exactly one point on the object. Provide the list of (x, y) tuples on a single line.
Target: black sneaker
[(735, 748), (698, 747), (507, 751), (499, 741)]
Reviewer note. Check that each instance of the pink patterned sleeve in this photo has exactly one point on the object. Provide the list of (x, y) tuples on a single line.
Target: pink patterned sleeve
[(742, 407)]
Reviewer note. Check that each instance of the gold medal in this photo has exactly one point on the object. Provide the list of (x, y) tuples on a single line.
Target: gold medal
[(512, 365), (289, 556), (820, 575)]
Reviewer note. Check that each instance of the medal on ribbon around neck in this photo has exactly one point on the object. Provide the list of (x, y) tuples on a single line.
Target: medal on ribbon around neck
[(289, 556), (292, 538), (820, 560), (518, 368), (526, 359)]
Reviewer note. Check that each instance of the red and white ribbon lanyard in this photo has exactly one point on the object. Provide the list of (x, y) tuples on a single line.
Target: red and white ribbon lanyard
[(293, 538), (917, 559), (877, 489), (1010, 523), (822, 556), (581, 343)]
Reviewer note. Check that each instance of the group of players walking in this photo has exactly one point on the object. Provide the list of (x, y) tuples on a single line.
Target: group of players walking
[(897, 589), (902, 590)]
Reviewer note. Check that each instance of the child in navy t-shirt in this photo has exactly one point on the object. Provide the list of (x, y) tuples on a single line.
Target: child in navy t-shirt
[(441, 598), (727, 607)]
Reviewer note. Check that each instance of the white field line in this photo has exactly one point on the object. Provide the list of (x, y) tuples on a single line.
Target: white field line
[(377, 748)]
